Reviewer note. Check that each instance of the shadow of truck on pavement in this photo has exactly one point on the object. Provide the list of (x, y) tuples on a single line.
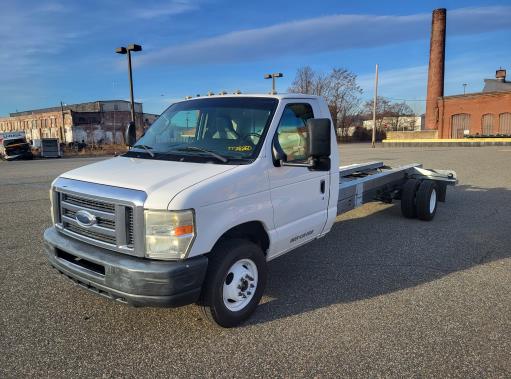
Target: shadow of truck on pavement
[(383, 252)]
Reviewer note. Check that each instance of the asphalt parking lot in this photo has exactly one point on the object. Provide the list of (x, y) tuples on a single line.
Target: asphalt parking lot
[(379, 296)]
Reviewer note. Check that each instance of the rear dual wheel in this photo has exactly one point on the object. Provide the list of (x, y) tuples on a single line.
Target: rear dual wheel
[(419, 199)]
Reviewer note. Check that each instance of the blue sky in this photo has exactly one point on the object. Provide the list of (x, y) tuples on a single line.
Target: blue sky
[(64, 50)]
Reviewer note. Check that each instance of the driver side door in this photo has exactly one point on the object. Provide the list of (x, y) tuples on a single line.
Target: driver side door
[(299, 195)]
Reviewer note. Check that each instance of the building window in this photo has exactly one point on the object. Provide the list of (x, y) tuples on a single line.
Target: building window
[(459, 123), (487, 124), (505, 123)]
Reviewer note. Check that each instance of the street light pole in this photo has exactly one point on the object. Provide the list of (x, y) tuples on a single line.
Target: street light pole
[(272, 77), (132, 99), (128, 50)]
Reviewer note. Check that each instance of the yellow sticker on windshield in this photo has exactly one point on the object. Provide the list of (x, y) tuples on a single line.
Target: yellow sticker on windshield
[(239, 148)]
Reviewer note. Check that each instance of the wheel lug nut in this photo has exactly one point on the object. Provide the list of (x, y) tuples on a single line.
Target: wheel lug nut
[(249, 293), (252, 286)]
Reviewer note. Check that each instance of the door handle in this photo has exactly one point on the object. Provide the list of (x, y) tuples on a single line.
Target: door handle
[(322, 186)]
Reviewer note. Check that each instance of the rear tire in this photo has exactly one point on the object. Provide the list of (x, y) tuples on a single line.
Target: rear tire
[(234, 283), (408, 198), (427, 200)]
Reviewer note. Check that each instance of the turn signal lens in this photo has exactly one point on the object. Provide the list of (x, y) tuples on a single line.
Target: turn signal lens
[(182, 230)]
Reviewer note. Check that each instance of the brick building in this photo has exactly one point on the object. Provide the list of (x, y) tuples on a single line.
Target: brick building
[(483, 113), (98, 122)]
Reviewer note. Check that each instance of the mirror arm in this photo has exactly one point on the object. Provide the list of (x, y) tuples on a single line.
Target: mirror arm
[(309, 164)]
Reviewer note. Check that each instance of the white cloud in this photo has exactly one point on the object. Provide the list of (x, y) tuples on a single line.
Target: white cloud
[(169, 9), (27, 37), (51, 7), (396, 80), (321, 34)]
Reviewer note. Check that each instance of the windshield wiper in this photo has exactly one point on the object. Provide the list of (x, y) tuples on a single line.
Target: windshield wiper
[(212, 153), (146, 148)]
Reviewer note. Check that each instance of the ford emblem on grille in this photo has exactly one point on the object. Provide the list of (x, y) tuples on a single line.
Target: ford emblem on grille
[(85, 218)]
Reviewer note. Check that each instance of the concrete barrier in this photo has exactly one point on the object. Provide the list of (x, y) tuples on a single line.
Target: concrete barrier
[(462, 142), (413, 135)]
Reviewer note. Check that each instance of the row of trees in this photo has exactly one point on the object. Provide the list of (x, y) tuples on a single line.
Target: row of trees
[(344, 97)]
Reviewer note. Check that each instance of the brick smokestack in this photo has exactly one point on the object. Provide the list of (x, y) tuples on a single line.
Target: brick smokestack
[(436, 66)]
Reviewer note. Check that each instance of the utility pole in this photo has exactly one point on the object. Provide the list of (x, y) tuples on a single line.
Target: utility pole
[(63, 128), (374, 106), (115, 111), (464, 88)]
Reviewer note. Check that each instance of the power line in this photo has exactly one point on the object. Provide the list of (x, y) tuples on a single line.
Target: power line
[(393, 98)]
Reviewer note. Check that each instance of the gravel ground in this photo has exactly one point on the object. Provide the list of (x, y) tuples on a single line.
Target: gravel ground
[(379, 296)]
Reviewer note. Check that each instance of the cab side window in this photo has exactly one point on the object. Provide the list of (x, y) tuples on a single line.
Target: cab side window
[(292, 131)]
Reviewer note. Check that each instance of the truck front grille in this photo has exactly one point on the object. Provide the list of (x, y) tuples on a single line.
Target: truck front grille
[(113, 225), (130, 238), (104, 222), (88, 203), (89, 233)]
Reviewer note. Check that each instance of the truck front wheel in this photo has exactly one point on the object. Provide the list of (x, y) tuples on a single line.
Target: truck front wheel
[(234, 283)]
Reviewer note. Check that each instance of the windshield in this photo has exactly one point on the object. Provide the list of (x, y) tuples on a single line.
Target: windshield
[(213, 129), (12, 142)]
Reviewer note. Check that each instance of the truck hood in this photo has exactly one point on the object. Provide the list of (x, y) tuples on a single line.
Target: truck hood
[(160, 180)]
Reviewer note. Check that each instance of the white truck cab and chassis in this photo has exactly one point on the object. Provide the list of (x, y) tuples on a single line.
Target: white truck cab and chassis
[(217, 187)]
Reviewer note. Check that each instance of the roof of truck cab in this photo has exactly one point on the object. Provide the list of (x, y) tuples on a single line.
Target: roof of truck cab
[(278, 96)]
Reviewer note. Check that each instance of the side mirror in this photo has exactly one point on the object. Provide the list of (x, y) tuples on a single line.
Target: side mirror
[(318, 145), (130, 134), (319, 137)]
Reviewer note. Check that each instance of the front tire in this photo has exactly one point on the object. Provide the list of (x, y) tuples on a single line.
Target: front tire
[(234, 283)]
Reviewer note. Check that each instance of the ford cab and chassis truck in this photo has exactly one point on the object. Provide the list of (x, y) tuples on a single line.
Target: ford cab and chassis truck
[(217, 187)]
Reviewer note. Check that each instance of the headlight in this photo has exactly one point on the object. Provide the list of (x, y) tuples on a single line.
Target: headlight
[(168, 234)]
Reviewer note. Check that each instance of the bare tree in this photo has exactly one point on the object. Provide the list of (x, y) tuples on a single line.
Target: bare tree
[(388, 114), (304, 81), (322, 85), (339, 88), (397, 112), (343, 98), (383, 106)]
